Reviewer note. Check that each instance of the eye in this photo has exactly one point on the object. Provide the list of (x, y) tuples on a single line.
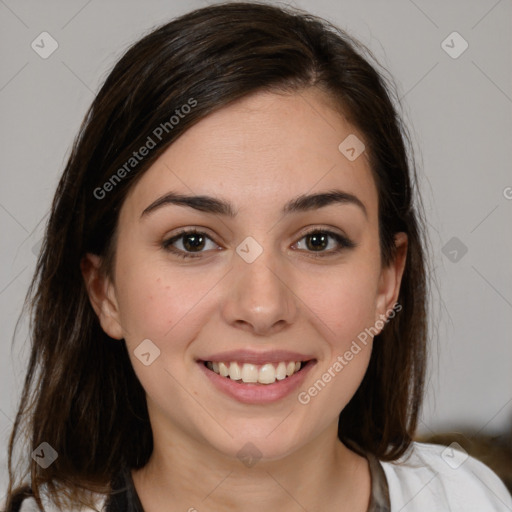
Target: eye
[(192, 241), (317, 240)]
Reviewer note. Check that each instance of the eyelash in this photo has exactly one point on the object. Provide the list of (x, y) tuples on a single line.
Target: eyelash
[(343, 241)]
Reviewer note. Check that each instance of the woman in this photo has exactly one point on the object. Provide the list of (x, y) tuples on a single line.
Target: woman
[(230, 303)]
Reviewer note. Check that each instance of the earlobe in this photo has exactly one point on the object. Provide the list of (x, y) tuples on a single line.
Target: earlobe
[(391, 277), (101, 295)]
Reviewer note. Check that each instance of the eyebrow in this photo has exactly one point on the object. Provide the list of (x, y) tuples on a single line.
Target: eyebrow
[(302, 203)]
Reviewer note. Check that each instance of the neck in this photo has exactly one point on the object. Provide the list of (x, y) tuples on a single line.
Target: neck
[(190, 475)]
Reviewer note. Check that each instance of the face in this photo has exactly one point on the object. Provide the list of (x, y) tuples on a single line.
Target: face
[(268, 277)]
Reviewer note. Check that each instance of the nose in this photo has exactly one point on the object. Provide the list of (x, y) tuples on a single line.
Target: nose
[(258, 297)]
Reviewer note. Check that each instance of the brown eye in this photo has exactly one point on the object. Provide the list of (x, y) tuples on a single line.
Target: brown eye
[(192, 241), (318, 240)]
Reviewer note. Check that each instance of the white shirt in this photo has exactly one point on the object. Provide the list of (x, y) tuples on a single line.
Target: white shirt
[(434, 478), (427, 478)]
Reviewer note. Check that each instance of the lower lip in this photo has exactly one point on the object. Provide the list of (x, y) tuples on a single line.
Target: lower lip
[(257, 393)]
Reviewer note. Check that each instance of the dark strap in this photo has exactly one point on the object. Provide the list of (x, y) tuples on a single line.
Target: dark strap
[(379, 501), (123, 497)]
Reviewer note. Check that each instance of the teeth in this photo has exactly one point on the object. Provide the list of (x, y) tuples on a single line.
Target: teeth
[(267, 374), (249, 373), (223, 370), (234, 371), (281, 371), (252, 373)]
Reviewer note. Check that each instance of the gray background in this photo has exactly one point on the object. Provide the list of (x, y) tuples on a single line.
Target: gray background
[(459, 112)]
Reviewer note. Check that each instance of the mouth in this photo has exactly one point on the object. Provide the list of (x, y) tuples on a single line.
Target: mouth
[(255, 377), (262, 374)]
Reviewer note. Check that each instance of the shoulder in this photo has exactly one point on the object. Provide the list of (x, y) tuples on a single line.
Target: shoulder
[(30, 505), (434, 477)]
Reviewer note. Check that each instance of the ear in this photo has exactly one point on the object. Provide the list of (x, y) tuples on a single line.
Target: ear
[(391, 278), (102, 295)]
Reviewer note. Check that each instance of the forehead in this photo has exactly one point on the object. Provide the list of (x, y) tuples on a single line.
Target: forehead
[(261, 151)]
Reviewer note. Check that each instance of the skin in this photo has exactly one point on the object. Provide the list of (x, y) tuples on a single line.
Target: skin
[(258, 153)]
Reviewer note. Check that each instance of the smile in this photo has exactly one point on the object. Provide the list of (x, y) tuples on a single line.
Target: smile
[(252, 373), (256, 376)]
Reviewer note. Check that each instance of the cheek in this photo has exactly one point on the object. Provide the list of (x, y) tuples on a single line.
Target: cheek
[(165, 304), (345, 302), (344, 305), (151, 302), (345, 314), (163, 307)]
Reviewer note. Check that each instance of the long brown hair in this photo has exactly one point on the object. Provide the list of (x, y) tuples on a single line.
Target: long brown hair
[(81, 395)]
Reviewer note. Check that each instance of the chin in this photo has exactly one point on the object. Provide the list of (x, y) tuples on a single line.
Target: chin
[(255, 443)]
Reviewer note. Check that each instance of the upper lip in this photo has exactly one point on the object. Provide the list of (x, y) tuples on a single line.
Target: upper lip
[(253, 357)]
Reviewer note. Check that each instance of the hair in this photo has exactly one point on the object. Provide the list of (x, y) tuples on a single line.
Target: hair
[(80, 392)]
